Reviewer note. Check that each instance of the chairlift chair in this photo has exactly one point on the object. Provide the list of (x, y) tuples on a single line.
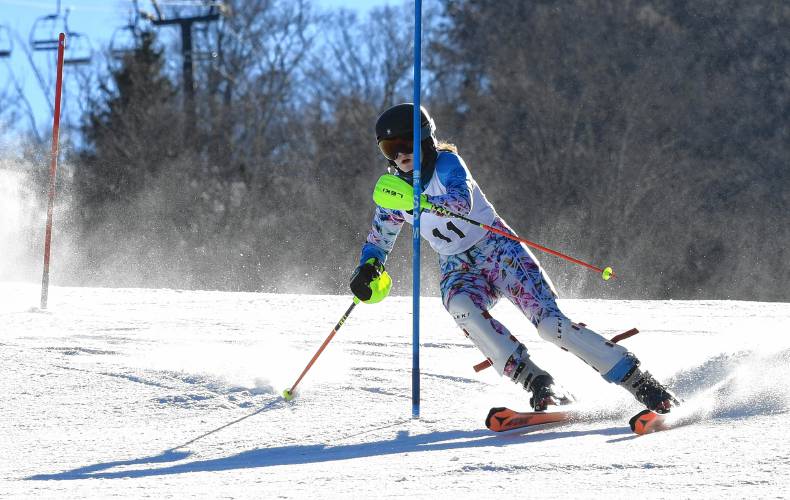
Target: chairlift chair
[(125, 40), (6, 44), (46, 29), (202, 36), (45, 32), (78, 49)]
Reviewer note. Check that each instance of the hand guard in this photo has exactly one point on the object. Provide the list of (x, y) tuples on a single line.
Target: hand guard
[(370, 283), (394, 193)]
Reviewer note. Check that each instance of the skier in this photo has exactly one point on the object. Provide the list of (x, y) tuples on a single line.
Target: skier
[(478, 267)]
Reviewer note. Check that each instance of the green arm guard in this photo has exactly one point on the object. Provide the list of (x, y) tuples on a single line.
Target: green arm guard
[(394, 193)]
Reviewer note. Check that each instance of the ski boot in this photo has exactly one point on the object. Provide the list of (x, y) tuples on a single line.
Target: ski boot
[(524, 372), (648, 391), (543, 394)]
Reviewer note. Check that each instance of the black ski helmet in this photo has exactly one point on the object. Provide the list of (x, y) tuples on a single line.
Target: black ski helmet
[(398, 120)]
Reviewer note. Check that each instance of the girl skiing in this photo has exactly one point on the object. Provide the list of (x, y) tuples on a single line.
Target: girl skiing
[(478, 267)]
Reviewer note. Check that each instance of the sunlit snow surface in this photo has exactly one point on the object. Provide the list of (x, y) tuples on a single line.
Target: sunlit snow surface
[(129, 392)]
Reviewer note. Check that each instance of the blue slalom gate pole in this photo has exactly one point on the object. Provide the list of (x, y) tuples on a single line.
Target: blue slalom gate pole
[(415, 368)]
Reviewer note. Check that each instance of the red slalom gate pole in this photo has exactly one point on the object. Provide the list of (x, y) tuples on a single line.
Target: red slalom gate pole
[(53, 166)]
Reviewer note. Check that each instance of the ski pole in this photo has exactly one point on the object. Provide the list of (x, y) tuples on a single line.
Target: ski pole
[(606, 273), (288, 394)]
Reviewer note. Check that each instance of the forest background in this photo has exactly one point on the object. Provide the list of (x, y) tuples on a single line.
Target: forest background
[(649, 135)]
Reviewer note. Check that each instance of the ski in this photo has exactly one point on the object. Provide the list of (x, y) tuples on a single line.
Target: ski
[(647, 421), (504, 419)]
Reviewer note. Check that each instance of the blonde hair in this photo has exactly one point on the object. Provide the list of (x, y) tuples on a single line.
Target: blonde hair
[(446, 146)]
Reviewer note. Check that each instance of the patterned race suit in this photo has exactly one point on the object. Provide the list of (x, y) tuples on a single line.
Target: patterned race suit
[(477, 266)]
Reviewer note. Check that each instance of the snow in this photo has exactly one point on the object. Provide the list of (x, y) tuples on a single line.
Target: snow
[(166, 393)]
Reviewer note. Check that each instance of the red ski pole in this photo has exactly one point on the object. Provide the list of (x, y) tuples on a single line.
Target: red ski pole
[(53, 166), (606, 273), (288, 394)]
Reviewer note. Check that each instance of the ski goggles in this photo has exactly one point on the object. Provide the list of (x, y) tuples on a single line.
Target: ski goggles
[(391, 148)]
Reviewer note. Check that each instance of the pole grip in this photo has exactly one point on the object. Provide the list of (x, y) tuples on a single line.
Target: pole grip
[(53, 166)]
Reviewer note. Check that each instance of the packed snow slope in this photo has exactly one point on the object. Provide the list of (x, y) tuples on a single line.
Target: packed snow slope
[(166, 393)]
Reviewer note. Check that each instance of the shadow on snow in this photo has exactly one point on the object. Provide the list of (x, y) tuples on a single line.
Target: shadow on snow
[(712, 390), (303, 454)]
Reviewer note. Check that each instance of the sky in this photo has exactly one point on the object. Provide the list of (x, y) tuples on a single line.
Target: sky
[(97, 20)]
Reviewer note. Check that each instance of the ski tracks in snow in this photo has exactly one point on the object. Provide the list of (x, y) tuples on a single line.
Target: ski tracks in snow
[(178, 393)]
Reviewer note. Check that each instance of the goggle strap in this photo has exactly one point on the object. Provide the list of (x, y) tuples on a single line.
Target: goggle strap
[(426, 131)]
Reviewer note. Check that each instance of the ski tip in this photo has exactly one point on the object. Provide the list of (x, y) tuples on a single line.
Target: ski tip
[(645, 422), (505, 419), (492, 413)]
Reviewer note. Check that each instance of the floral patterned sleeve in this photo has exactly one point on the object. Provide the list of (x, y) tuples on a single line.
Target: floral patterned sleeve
[(457, 180), (381, 238)]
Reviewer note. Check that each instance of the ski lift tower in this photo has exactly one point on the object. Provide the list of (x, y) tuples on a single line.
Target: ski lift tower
[(185, 23)]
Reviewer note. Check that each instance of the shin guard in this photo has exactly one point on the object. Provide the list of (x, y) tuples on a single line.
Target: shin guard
[(486, 333), (507, 355), (612, 361)]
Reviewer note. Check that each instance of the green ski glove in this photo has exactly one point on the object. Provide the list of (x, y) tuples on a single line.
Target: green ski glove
[(394, 193), (370, 283)]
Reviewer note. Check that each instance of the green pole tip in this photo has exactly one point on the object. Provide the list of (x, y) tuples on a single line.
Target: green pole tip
[(607, 274), (288, 395)]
